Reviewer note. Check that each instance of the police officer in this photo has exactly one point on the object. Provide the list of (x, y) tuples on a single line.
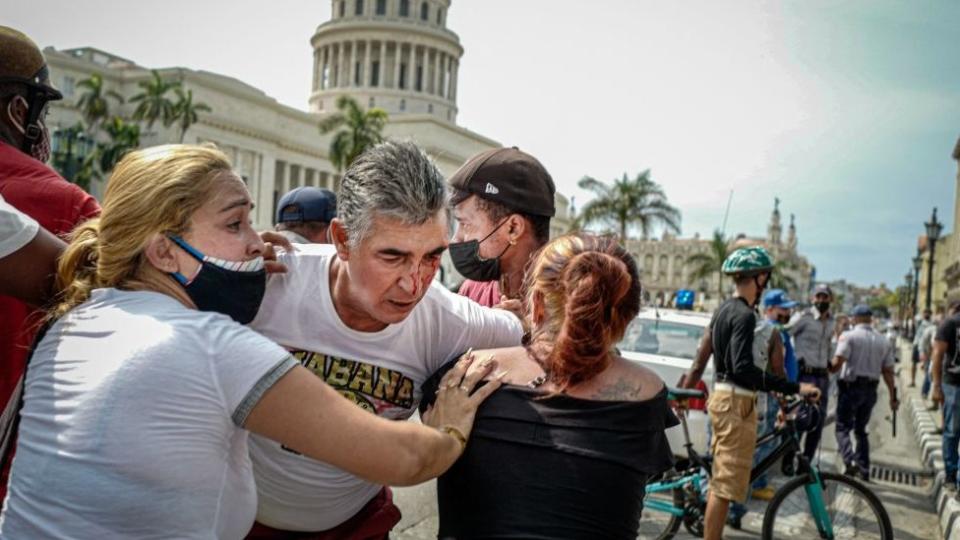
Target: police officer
[(863, 356), (812, 331)]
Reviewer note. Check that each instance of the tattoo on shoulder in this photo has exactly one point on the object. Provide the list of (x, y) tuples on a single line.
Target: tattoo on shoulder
[(618, 391)]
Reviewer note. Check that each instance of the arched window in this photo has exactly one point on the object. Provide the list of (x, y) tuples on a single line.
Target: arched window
[(648, 264), (404, 8), (440, 16), (343, 8), (358, 8), (424, 11), (381, 7), (678, 267)]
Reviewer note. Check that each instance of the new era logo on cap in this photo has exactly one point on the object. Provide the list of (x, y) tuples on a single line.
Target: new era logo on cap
[(491, 189)]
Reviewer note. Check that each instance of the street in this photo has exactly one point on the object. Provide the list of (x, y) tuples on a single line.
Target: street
[(911, 507)]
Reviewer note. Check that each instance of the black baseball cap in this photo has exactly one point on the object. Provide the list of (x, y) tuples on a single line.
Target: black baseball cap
[(510, 177), (307, 203)]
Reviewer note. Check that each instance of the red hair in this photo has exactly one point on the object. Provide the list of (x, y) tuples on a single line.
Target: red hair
[(589, 289)]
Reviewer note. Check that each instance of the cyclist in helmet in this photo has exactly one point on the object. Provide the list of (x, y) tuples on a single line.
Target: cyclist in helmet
[(732, 405)]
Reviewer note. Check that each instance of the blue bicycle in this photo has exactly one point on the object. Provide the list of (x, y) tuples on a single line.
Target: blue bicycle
[(812, 504)]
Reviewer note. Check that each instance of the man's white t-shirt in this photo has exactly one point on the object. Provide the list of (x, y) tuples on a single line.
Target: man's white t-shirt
[(16, 229), (381, 372), (131, 423)]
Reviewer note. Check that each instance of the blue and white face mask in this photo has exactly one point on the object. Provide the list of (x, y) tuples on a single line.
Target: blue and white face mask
[(233, 288)]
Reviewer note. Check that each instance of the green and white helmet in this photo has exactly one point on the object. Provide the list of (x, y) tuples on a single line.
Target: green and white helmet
[(747, 261)]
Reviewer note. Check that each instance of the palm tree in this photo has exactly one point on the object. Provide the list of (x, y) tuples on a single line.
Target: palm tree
[(124, 136), (638, 202), (93, 104), (152, 102), (185, 110), (356, 129), (706, 264)]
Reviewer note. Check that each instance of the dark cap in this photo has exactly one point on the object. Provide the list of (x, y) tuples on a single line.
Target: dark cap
[(509, 177), (823, 288), (307, 203), (862, 311), (22, 61)]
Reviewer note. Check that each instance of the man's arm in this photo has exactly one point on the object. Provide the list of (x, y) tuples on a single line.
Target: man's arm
[(704, 351), (891, 386), (27, 274), (775, 353), (939, 348)]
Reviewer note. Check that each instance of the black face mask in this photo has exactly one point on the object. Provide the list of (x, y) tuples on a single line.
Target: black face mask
[(822, 307), (233, 288), (783, 319), (467, 260)]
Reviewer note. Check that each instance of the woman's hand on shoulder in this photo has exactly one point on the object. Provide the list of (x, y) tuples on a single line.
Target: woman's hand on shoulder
[(273, 239)]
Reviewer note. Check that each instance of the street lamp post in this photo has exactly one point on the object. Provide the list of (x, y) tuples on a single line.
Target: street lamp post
[(907, 294), (934, 228), (917, 264), (69, 147)]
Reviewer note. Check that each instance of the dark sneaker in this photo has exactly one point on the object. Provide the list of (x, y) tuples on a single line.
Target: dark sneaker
[(735, 522), (851, 470)]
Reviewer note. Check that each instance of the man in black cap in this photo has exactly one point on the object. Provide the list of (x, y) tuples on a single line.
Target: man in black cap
[(863, 357), (304, 215), (503, 201)]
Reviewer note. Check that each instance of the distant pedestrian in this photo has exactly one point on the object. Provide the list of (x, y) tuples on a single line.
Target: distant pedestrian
[(812, 331), (863, 357), (304, 215), (922, 325), (925, 350)]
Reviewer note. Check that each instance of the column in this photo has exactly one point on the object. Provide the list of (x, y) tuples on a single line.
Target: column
[(442, 87), (268, 170), (340, 71), (316, 69), (409, 76), (367, 62), (453, 80), (352, 77), (382, 70), (396, 64), (436, 72)]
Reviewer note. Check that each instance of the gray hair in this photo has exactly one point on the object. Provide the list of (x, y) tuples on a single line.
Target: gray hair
[(393, 179)]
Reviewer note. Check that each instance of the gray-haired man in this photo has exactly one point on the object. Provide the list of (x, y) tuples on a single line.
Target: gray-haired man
[(366, 316)]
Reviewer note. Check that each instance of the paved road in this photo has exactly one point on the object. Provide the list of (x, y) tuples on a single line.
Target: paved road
[(911, 508)]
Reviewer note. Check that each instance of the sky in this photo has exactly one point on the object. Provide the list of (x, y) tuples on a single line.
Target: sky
[(847, 111)]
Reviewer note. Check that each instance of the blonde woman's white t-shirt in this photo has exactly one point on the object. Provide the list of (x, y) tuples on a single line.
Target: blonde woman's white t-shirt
[(131, 424), (382, 372)]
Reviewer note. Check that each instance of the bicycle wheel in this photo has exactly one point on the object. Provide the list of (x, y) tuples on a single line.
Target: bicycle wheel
[(854, 511), (658, 525)]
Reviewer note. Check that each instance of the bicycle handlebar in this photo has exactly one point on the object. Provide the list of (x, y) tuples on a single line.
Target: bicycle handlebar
[(680, 394)]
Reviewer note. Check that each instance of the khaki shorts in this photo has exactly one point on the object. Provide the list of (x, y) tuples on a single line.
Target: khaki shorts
[(733, 418)]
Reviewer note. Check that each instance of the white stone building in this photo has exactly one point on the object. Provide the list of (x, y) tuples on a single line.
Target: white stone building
[(664, 267), (394, 54)]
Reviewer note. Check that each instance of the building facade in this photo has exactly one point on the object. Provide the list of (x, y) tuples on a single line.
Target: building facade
[(665, 268), (946, 257), (393, 54)]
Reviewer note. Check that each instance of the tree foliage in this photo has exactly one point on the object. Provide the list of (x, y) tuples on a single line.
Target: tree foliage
[(355, 130), (627, 203)]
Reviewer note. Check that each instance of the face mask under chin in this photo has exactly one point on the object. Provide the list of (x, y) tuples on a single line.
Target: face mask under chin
[(232, 288)]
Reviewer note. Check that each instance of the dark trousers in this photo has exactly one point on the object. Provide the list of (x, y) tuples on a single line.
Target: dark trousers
[(811, 440), (854, 404)]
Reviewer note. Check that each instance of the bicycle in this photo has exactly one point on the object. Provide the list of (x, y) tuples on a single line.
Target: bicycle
[(812, 504)]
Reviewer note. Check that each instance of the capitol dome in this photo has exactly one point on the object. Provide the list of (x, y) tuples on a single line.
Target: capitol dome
[(397, 55)]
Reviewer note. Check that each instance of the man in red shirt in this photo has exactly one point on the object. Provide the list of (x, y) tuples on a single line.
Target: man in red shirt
[(30, 186), (503, 202)]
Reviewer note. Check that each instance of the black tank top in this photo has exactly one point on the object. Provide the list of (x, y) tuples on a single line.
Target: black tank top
[(553, 467)]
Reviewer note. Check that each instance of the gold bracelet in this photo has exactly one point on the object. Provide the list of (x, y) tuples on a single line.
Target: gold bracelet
[(456, 434)]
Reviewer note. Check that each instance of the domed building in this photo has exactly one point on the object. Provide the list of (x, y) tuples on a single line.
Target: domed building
[(397, 55)]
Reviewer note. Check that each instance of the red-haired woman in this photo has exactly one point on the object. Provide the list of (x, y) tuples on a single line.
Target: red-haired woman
[(565, 447)]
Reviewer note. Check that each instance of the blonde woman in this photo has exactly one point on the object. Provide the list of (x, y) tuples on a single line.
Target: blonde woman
[(139, 400)]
